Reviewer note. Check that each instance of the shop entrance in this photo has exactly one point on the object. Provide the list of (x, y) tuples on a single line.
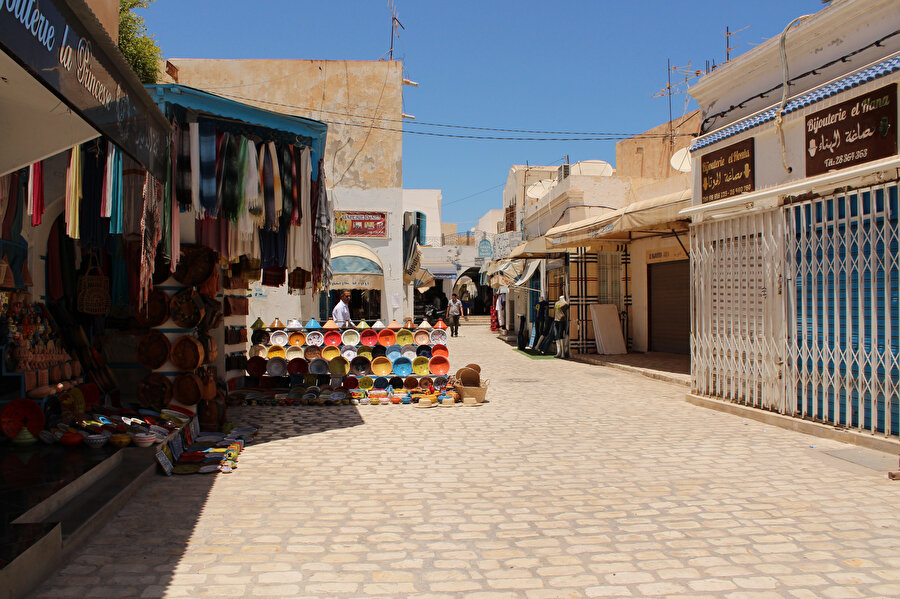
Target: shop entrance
[(669, 294), (475, 296), (365, 304)]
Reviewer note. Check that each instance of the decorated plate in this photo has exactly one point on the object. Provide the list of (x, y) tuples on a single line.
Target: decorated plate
[(279, 338), (439, 336), (315, 338)]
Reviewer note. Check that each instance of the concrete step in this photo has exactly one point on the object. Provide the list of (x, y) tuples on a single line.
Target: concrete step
[(476, 321)]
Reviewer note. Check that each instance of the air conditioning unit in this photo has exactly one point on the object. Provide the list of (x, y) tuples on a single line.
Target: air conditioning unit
[(562, 171)]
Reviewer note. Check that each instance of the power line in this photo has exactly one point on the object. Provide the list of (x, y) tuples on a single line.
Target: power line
[(473, 195), (606, 136)]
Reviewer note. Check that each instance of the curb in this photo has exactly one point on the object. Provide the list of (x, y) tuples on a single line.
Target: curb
[(658, 375)]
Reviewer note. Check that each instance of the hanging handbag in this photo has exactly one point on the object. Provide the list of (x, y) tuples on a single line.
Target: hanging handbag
[(236, 305), (93, 290)]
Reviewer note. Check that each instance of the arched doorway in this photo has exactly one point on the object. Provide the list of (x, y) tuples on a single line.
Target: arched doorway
[(476, 296)]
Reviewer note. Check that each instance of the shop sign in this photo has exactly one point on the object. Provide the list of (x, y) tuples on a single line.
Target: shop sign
[(666, 255), (485, 249), (49, 40), (852, 132), (349, 223), (354, 281), (727, 172)]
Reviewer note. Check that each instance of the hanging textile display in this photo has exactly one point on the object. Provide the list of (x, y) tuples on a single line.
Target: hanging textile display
[(207, 170), (73, 193), (93, 228), (150, 234), (184, 180), (36, 192), (114, 190), (323, 231)]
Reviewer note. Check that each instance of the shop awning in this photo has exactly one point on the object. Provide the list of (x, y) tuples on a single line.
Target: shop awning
[(657, 213), (355, 266), (506, 273), (245, 119), (529, 272), (442, 272), (84, 88), (539, 247)]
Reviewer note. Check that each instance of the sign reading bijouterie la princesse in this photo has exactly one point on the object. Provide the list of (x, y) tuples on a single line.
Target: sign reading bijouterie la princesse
[(727, 172), (852, 132), (354, 223)]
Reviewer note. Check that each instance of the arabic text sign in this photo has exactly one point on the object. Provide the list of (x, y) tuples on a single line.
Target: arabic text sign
[(360, 224), (727, 172), (852, 132)]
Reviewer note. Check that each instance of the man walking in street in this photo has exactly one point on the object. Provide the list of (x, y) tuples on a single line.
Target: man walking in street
[(454, 311), (341, 312)]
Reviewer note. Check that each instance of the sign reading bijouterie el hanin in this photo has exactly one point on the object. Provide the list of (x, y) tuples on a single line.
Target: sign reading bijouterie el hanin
[(727, 172), (852, 132)]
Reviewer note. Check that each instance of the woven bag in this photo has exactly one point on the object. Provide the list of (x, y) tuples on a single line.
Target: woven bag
[(93, 291)]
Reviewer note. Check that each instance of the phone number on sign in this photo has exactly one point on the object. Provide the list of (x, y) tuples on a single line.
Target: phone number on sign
[(849, 156)]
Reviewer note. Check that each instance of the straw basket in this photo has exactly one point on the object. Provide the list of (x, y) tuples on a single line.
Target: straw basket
[(93, 291), (476, 393)]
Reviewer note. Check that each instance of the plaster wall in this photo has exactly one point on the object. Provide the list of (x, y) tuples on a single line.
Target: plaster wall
[(427, 201), (362, 94), (836, 30), (519, 177), (488, 222), (575, 198), (645, 159)]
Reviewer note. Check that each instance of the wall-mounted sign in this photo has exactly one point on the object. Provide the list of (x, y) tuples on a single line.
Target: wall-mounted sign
[(57, 48), (485, 249), (354, 223), (666, 255), (852, 132), (727, 172), (356, 281)]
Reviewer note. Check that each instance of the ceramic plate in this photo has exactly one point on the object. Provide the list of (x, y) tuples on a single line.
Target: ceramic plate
[(315, 338), (279, 338)]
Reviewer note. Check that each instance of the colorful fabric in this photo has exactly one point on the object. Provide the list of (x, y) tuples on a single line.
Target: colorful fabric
[(194, 134), (183, 179), (207, 154), (73, 193), (36, 193)]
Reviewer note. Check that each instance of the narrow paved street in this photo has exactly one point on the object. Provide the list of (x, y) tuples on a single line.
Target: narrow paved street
[(574, 481)]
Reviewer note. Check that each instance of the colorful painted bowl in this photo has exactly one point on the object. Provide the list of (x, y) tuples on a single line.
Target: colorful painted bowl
[(439, 365), (396, 382), (350, 382), (348, 351), (426, 382), (276, 367), (360, 366), (318, 366), (366, 383), (381, 366), (420, 365), (279, 338), (421, 337), (439, 336), (393, 352), (404, 337), (257, 350), (275, 351), (259, 336), (369, 337), (293, 351), (339, 366), (297, 338), (350, 337), (402, 366), (365, 352), (382, 382), (410, 383), (298, 366), (333, 338), (440, 382), (330, 352), (386, 337), (312, 352), (118, 440), (440, 350), (315, 338), (256, 366), (424, 350)]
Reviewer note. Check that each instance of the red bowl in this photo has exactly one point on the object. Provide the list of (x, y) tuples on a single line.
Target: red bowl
[(369, 338), (333, 338), (256, 366), (440, 350), (350, 382), (71, 439), (298, 366), (439, 365)]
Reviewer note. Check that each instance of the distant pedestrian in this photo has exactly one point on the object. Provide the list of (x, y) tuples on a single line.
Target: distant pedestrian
[(341, 312), (454, 311)]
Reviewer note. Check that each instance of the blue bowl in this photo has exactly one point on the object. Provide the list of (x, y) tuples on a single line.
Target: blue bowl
[(402, 366)]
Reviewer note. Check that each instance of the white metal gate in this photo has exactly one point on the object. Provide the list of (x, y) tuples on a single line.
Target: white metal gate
[(737, 311), (842, 337)]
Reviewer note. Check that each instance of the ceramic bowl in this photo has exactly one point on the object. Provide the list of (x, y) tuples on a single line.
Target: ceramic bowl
[(348, 351), (396, 382), (258, 350), (440, 350), (439, 336), (297, 338), (404, 337), (402, 366), (381, 366), (350, 337), (96, 441), (339, 366), (439, 365), (424, 350), (144, 442), (279, 338), (276, 367), (393, 352), (333, 338), (256, 366), (421, 337), (298, 366), (387, 337), (366, 383), (420, 365), (315, 338), (312, 352), (360, 366), (71, 439), (120, 440), (318, 366), (369, 337), (293, 351), (330, 352), (275, 351)]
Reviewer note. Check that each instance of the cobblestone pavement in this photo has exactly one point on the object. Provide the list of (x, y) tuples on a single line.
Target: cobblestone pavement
[(574, 481)]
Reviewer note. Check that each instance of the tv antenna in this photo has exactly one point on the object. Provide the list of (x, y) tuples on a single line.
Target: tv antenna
[(728, 46), (686, 74), (394, 23)]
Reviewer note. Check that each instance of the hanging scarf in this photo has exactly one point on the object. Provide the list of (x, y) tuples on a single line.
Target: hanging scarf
[(306, 214), (207, 154), (194, 130), (270, 182), (183, 178), (93, 228), (323, 230), (115, 190), (73, 192), (36, 192), (223, 145), (286, 163), (295, 186), (150, 235), (232, 178), (252, 197)]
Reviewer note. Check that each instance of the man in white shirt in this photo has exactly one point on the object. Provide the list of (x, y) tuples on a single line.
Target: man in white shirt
[(341, 312), (454, 311)]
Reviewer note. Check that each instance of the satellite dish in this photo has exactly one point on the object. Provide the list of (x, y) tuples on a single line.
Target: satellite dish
[(681, 160), (537, 190)]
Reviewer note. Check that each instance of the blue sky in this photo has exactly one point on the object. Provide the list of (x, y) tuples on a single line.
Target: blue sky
[(590, 66)]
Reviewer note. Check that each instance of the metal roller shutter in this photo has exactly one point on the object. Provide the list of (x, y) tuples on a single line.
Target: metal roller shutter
[(669, 292)]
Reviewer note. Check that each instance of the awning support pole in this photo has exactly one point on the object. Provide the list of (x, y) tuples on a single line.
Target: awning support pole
[(678, 239)]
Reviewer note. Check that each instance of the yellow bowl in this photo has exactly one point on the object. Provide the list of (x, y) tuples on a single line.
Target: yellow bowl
[(330, 352), (404, 337), (366, 383), (275, 351), (381, 366), (420, 365)]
